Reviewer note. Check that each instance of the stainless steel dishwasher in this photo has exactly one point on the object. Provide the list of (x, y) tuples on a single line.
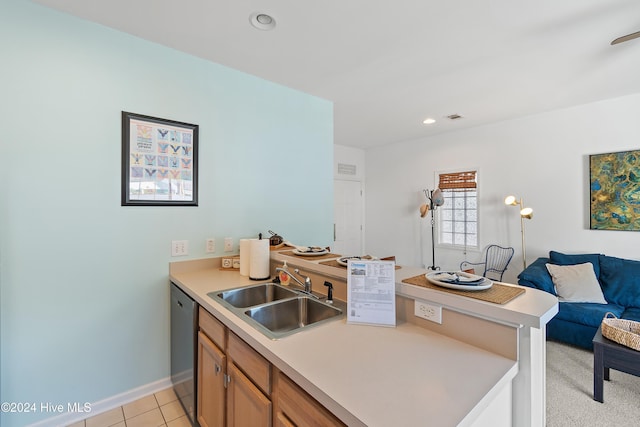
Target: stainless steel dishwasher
[(184, 322)]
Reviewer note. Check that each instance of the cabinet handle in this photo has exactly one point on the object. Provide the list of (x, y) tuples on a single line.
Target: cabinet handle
[(227, 380), (218, 369)]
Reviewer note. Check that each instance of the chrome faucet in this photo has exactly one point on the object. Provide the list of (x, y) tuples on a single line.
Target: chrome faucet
[(307, 280)]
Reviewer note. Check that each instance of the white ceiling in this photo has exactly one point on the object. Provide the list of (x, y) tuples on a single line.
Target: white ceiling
[(388, 64)]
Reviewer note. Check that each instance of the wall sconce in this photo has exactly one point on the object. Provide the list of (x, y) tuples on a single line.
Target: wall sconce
[(524, 213)]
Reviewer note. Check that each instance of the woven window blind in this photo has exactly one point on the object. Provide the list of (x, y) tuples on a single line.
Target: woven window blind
[(458, 181)]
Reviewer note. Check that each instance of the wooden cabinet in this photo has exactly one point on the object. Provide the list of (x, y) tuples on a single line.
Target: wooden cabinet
[(234, 381), (281, 420), (248, 394), (236, 385), (212, 364), (212, 371), (246, 404), (252, 363), (295, 407), (213, 328)]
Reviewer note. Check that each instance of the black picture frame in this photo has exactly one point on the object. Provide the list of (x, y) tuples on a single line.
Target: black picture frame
[(159, 161)]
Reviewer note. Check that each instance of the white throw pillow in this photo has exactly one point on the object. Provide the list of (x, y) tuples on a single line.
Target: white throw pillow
[(576, 283)]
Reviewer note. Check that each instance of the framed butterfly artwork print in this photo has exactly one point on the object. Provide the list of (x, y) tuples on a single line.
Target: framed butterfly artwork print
[(159, 161)]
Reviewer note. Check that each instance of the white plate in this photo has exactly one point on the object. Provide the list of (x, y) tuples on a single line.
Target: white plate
[(315, 253), (485, 284), (343, 261)]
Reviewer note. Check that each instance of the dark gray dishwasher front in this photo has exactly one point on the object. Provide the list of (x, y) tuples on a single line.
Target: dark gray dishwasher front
[(184, 321)]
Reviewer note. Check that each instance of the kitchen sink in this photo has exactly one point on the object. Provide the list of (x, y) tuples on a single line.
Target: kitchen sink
[(276, 310), (255, 295), (289, 315)]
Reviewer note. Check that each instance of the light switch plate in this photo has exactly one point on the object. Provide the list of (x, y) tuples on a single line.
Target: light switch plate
[(228, 244), (179, 247)]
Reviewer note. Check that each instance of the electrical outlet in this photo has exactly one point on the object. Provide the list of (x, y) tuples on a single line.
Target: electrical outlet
[(179, 247), (228, 244), (211, 246), (428, 311)]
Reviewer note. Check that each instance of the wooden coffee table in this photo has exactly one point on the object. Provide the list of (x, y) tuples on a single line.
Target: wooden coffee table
[(607, 355)]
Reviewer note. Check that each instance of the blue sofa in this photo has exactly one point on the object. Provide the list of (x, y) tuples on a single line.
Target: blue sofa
[(577, 322)]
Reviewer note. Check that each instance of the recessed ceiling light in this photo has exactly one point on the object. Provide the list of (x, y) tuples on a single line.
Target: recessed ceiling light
[(429, 121), (262, 21)]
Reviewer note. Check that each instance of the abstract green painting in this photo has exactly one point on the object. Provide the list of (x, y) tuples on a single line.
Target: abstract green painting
[(615, 190)]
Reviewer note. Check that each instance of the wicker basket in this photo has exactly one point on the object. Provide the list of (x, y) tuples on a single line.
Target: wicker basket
[(622, 331)]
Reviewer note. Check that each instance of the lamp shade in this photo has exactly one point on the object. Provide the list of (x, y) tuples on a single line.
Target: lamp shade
[(526, 213), (436, 198)]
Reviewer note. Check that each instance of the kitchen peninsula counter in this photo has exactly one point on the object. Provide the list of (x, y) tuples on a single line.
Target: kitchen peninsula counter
[(370, 375)]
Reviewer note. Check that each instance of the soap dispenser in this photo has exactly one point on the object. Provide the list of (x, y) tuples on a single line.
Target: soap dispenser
[(284, 277)]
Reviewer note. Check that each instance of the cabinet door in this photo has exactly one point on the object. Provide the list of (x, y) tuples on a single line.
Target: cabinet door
[(211, 391), (246, 405)]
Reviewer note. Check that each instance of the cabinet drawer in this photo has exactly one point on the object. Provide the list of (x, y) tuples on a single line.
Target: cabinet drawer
[(296, 407), (255, 367), (212, 327)]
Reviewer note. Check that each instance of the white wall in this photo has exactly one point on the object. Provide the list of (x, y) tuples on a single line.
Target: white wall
[(84, 282), (542, 158)]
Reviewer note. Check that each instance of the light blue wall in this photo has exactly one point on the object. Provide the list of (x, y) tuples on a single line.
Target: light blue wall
[(84, 281)]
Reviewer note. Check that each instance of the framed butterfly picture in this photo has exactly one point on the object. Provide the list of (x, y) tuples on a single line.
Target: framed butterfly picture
[(159, 161)]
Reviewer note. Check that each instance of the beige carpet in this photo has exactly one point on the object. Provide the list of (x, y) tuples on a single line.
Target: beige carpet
[(570, 391)]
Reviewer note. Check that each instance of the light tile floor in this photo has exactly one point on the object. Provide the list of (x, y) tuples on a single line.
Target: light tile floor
[(156, 410)]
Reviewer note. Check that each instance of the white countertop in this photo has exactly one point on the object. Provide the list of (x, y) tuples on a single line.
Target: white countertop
[(369, 375), (533, 309)]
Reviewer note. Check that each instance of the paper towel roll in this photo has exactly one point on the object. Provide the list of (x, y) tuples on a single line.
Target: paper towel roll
[(245, 256), (259, 259)]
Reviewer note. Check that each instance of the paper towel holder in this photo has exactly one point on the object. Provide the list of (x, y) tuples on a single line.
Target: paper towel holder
[(259, 262)]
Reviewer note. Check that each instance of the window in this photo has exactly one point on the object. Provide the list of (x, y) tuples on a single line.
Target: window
[(459, 214)]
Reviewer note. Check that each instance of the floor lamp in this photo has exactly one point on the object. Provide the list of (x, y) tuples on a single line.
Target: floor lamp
[(435, 199), (524, 213)]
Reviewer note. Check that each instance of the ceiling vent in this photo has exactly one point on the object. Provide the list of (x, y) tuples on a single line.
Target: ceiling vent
[(345, 169), (454, 117)]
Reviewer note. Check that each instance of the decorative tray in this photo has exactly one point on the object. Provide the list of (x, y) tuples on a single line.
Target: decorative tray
[(459, 280)]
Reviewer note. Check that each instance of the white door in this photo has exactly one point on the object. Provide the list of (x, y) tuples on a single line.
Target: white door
[(347, 217)]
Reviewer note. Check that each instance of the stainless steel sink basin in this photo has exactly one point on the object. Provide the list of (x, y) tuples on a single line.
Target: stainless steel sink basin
[(276, 310), (284, 317), (255, 295)]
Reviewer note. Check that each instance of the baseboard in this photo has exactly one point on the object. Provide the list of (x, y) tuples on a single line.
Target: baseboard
[(106, 404)]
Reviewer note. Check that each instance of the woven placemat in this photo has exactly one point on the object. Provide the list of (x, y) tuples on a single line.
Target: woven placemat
[(498, 294), (311, 258), (334, 263)]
